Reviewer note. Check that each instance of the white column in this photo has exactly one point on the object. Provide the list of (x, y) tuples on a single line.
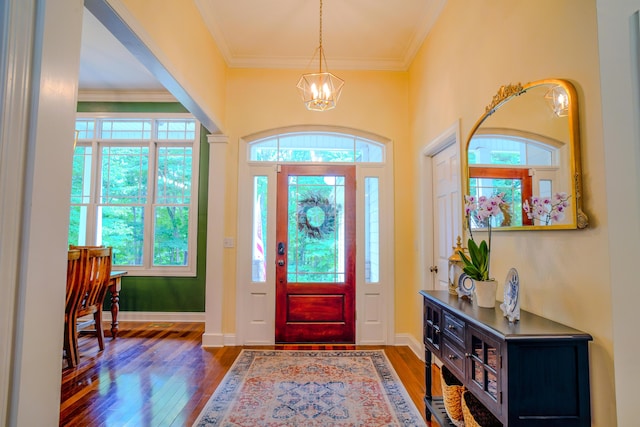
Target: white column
[(213, 336), (39, 65)]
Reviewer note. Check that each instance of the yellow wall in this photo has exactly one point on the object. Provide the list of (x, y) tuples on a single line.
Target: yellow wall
[(475, 48), (178, 36)]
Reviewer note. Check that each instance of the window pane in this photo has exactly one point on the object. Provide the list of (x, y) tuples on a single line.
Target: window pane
[(323, 147), (85, 128), (132, 129), (123, 228), (124, 175), (81, 175), (545, 188), (368, 151), (171, 235), (258, 265), (371, 230), (78, 225), (310, 147), (176, 129), (264, 151), (316, 230), (174, 175)]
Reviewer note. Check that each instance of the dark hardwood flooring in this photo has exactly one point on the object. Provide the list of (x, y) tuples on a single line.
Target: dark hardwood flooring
[(157, 374)]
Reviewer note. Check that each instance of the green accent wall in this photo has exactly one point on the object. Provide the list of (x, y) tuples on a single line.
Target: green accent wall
[(168, 294)]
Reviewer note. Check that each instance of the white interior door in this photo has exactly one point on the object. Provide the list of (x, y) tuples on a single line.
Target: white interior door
[(446, 210)]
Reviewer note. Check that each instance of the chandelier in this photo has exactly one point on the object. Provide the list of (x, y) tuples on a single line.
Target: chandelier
[(320, 91)]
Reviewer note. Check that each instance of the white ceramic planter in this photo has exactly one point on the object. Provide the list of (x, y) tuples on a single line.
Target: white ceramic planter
[(485, 291)]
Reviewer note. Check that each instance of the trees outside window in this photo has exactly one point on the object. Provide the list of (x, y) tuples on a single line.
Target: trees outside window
[(134, 188)]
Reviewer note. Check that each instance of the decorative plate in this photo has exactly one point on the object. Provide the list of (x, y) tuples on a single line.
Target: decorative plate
[(511, 305), (466, 285)]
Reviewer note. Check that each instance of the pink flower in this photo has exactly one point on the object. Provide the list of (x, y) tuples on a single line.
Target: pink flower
[(547, 210)]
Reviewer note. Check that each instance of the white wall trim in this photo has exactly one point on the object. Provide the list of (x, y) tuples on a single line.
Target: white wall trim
[(125, 96), (214, 282), (154, 316), (46, 83), (15, 85), (411, 342)]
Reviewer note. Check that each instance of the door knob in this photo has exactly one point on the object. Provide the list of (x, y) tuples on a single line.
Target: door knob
[(281, 262), (434, 269)]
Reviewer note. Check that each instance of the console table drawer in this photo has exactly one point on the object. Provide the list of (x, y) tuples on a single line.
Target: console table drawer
[(453, 356), (453, 327)]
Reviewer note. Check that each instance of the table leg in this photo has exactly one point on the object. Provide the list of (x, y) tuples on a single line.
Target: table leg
[(115, 308)]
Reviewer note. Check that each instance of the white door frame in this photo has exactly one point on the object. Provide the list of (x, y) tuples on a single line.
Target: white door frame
[(450, 136), (255, 302)]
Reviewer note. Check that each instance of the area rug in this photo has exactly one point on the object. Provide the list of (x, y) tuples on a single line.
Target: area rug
[(310, 388)]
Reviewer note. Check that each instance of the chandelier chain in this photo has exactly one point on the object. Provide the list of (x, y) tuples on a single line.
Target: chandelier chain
[(320, 48), (320, 24)]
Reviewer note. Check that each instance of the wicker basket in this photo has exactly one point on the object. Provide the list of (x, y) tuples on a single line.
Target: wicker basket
[(452, 390), (475, 414)]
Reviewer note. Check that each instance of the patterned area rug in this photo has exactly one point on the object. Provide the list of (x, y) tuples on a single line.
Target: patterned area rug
[(310, 388)]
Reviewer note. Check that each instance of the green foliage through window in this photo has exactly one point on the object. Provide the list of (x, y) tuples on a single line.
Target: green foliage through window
[(137, 195)]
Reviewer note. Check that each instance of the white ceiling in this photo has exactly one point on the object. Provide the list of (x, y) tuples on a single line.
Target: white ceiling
[(357, 34)]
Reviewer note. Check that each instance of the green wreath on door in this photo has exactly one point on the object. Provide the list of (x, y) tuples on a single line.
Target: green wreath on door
[(316, 216)]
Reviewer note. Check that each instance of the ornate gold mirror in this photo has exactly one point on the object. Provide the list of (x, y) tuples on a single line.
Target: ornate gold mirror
[(527, 146)]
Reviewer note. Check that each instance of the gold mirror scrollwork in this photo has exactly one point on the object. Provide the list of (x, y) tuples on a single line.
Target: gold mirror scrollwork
[(527, 145)]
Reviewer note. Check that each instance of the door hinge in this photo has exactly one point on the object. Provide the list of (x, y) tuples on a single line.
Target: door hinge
[(278, 168)]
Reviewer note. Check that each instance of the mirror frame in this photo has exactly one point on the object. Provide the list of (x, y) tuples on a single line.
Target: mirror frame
[(506, 93)]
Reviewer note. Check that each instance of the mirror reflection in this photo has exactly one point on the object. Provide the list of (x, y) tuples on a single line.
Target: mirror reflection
[(526, 146)]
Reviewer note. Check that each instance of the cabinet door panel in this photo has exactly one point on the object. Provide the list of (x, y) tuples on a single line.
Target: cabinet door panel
[(484, 369), (432, 324)]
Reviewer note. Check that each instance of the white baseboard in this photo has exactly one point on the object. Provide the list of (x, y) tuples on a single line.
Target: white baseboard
[(155, 316), (412, 343), (212, 340)]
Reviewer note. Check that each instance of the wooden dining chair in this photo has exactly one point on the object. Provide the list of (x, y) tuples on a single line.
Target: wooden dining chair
[(75, 289), (96, 276)]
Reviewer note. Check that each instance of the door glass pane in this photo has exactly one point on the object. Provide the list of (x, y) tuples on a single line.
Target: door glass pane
[(316, 229), (258, 261), (492, 385), (371, 230), (512, 189)]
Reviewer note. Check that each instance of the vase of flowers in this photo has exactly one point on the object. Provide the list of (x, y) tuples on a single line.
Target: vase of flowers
[(478, 263)]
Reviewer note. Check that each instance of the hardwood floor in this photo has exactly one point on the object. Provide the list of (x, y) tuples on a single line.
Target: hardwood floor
[(157, 374)]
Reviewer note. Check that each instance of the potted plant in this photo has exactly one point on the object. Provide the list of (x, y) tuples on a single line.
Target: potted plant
[(478, 263)]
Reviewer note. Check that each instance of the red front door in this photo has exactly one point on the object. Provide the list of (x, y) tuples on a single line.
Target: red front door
[(315, 254)]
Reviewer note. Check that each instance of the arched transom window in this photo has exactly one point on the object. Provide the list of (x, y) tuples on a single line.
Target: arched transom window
[(325, 147)]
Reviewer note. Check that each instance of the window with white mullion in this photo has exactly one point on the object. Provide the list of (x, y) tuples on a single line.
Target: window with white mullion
[(141, 174), (172, 209)]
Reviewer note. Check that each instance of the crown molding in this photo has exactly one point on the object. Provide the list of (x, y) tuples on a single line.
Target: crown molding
[(125, 96)]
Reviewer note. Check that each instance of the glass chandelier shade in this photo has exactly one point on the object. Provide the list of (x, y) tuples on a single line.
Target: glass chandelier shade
[(558, 100), (320, 91)]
